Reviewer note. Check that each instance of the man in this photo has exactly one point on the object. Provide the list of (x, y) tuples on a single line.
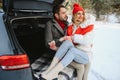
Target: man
[(55, 28), (55, 31)]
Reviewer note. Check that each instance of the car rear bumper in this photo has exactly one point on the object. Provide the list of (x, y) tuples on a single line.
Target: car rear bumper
[(22, 74)]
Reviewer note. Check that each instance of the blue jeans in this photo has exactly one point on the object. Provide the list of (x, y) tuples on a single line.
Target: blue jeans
[(67, 52)]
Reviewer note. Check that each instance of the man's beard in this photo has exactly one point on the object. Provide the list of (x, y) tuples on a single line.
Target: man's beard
[(65, 19)]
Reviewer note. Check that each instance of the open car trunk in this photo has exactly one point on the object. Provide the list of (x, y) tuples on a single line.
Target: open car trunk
[(30, 35)]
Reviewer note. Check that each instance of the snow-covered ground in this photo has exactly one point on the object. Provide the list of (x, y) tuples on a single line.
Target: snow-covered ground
[(106, 52)]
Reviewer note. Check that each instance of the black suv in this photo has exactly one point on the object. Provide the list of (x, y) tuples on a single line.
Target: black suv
[(22, 45)]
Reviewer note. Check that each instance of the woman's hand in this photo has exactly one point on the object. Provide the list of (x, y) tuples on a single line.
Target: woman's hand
[(68, 38)]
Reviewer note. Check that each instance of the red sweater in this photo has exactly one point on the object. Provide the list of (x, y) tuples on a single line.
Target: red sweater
[(80, 30)]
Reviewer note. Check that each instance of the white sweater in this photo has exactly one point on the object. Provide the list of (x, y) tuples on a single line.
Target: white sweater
[(84, 41)]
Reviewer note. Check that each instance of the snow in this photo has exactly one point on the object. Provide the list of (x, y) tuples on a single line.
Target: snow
[(106, 51), (112, 18)]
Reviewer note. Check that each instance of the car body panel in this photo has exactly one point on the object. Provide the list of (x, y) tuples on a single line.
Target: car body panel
[(22, 74), (5, 46)]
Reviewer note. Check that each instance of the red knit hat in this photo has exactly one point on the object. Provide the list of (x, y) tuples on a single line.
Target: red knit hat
[(76, 8)]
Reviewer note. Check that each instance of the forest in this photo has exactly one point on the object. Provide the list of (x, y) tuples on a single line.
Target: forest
[(98, 7)]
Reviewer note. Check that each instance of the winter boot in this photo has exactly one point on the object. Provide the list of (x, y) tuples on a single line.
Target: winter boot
[(53, 63)]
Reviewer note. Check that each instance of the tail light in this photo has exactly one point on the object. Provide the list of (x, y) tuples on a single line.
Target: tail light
[(14, 62)]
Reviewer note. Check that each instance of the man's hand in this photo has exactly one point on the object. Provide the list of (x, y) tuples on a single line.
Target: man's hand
[(53, 45)]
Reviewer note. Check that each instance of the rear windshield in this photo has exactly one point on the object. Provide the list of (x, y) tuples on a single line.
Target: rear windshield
[(33, 5), (5, 46)]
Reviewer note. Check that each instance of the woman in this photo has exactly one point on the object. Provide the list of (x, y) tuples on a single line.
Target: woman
[(76, 45), (82, 30)]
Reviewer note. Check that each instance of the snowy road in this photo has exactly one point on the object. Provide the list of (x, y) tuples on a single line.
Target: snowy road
[(106, 52)]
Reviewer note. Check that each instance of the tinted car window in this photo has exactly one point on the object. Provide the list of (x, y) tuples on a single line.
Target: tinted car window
[(5, 46), (32, 5)]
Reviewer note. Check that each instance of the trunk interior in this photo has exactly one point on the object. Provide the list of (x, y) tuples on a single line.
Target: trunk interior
[(30, 35)]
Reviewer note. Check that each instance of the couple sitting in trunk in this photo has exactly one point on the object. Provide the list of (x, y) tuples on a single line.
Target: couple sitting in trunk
[(70, 43)]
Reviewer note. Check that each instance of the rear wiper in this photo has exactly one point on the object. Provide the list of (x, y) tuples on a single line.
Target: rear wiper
[(22, 10)]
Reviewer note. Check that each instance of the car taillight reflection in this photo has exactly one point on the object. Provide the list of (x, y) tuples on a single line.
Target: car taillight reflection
[(14, 62)]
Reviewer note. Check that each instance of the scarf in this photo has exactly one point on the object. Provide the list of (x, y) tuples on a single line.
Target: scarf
[(61, 23)]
